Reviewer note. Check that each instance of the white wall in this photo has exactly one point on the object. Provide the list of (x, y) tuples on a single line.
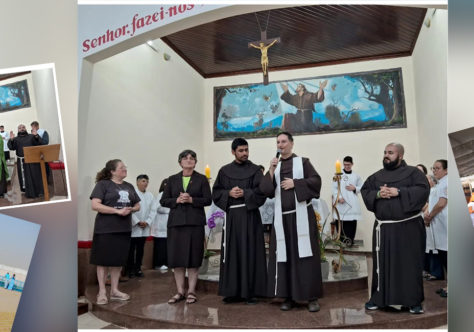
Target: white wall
[(26, 115), (146, 111), (366, 147), (143, 110), (430, 73), (46, 104)]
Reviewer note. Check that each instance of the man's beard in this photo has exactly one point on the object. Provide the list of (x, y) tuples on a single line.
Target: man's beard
[(22, 133), (390, 165)]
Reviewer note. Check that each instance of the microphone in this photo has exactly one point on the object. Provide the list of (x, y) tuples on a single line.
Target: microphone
[(278, 153)]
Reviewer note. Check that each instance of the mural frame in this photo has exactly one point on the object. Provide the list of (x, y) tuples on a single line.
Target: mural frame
[(372, 81), (21, 91)]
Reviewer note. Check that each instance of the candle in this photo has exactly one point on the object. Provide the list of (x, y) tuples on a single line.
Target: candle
[(207, 171), (338, 167)]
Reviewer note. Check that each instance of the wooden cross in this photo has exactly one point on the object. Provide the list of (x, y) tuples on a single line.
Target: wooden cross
[(263, 45)]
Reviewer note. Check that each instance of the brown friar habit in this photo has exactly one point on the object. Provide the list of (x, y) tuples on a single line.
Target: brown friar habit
[(243, 273), (298, 278), (29, 175), (402, 244)]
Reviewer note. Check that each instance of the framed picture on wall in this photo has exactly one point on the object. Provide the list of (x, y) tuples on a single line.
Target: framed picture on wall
[(14, 96), (317, 105)]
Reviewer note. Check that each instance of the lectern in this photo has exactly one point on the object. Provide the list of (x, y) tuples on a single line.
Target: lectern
[(42, 154)]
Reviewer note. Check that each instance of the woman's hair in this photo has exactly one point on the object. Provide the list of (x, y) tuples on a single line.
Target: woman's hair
[(164, 183), (425, 170), (106, 172), (443, 162), (185, 153)]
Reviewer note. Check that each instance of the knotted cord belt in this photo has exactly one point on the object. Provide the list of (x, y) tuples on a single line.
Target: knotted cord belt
[(223, 228)]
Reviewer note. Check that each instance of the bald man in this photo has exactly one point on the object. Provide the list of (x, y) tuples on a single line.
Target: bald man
[(396, 195)]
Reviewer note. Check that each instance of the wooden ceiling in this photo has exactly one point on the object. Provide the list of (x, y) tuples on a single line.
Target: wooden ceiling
[(462, 143), (310, 36), (11, 75)]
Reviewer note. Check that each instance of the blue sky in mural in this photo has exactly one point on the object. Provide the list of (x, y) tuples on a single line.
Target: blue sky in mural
[(248, 108), (6, 98)]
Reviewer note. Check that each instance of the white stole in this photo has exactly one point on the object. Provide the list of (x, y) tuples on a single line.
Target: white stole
[(302, 222)]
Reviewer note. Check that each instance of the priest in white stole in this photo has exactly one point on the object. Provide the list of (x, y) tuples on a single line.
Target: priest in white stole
[(294, 267)]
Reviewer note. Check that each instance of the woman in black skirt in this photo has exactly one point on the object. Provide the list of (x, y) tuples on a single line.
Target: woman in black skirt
[(114, 200), (186, 194)]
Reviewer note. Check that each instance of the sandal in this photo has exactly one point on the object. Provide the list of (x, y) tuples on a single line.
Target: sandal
[(120, 297), (176, 298), (102, 299), (191, 298)]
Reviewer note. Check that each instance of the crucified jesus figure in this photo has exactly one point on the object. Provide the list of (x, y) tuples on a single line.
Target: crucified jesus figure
[(264, 49)]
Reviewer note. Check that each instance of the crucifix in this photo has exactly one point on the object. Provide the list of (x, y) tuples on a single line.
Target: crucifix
[(263, 45)]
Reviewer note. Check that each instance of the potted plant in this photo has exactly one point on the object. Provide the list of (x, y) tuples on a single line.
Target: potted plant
[(211, 223), (324, 240), (322, 247)]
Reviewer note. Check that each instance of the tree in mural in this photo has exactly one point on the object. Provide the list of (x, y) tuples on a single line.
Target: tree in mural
[(384, 89), (333, 114)]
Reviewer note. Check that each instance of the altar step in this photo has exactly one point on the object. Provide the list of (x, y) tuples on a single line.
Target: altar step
[(148, 308), (352, 276)]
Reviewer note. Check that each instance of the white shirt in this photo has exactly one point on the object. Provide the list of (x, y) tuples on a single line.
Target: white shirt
[(471, 207), (430, 241), (159, 227), (350, 209), (320, 206), (439, 223), (6, 137), (146, 213)]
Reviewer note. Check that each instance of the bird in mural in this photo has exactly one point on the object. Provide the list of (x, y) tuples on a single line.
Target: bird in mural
[(274, 107), (267, 98)]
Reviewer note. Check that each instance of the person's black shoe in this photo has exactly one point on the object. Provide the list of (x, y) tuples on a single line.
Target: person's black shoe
[(443, 293), (252, 300), (416, 309), (231, 299), (131, 275), (287, 305), (439, 291), (371, 306), (139, 274), (313, 306)]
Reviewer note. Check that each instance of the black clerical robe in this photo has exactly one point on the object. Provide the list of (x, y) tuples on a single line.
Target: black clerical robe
[(298, 278), (3, 170), (402, 244), (243, 270), (29, 175)]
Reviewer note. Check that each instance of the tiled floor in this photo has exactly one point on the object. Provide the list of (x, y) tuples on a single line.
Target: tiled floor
[(148, 308)]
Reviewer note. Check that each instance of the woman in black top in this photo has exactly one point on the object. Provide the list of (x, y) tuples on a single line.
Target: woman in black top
[(186, 194), (114, 200)]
